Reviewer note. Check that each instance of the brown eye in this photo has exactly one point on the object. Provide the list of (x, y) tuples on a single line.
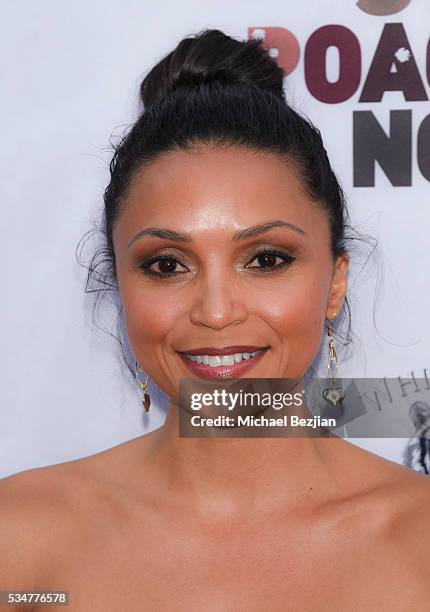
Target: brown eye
[(163, 266), (267, 259), (271, 260), (167, 266)]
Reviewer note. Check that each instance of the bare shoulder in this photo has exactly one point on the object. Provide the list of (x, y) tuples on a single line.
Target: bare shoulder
[(404, 490), (46, 512), (407, 495), (34, 511), (396, 500), (39, 513)]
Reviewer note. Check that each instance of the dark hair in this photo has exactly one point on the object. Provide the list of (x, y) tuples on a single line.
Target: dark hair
[(215, 90)]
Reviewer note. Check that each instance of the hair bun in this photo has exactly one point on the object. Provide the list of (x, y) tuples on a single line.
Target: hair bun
[(208, 56)]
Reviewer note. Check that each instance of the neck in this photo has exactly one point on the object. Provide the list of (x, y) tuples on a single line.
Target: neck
[(232, 475)]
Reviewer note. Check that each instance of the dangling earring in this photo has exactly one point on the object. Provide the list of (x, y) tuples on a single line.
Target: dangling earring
[(333, 395), (146, 400)]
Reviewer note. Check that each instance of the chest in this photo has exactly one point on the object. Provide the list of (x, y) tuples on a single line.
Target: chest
[(257, 568)]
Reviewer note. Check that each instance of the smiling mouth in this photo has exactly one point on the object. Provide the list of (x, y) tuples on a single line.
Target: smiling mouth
[(229, 362), (215, 361)]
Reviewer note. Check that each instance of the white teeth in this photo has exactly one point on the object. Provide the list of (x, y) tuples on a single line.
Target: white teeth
[(228, 360), (215, 361)]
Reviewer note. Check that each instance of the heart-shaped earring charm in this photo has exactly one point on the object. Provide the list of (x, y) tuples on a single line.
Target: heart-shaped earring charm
[(334, 396)]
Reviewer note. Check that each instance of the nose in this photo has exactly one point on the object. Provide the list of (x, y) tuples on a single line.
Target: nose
[(218, 303)]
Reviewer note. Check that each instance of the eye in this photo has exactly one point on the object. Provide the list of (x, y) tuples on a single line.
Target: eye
[(268, 260), (163, 266)]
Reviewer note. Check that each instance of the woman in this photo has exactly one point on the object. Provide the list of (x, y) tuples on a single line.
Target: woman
[(225, 233)]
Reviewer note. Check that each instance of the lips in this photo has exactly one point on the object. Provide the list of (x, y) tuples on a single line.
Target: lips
[(226, 362), (226, 350)]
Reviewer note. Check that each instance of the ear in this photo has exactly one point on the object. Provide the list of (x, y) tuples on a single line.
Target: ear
[(339, 284)]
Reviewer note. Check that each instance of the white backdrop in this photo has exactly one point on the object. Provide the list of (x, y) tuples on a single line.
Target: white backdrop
[(70, 73)]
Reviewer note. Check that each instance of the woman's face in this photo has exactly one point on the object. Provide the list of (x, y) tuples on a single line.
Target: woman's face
[(247, 264)]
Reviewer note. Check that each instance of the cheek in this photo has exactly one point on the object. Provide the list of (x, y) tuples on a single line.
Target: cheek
[(150, 313), (295, 309)]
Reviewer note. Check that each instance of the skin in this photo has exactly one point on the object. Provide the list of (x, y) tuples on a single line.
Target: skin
[(167, 523)]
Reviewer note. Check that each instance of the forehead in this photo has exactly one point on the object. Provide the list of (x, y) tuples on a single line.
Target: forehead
[(219, 188)]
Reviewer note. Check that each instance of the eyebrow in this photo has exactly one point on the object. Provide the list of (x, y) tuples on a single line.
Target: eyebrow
[(249, 232)]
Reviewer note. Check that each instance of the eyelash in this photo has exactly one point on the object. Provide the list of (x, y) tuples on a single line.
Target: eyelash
[(287, 261)]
